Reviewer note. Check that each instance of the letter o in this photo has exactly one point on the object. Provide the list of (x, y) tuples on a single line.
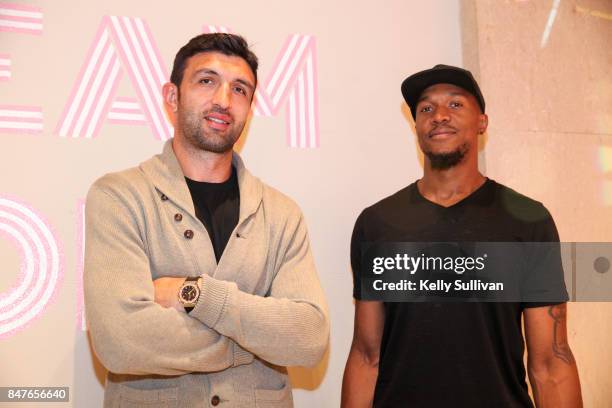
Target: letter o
[(41, 266)]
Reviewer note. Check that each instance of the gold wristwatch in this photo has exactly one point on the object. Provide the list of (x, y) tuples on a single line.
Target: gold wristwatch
[(189, 293)]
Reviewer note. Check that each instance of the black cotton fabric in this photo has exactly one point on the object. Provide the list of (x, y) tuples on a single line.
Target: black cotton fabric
[(452, 354), (217, 206)]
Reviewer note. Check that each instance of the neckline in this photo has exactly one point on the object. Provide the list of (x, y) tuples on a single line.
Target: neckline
[(459, 203), (207, 186)]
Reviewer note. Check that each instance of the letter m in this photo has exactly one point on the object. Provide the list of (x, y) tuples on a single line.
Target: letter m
[(121, 44), (291, 84)]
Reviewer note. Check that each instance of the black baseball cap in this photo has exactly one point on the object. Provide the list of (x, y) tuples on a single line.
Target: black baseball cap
[(415, 84)]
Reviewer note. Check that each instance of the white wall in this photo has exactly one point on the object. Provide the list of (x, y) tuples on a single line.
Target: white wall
[(366, 149)]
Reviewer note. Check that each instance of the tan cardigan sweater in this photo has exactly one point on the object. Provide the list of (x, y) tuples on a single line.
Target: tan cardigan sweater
[(261, 307)]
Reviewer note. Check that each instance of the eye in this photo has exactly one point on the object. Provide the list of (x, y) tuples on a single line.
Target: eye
[(240, 90), (206, 81), (426, 108), (456, 104)]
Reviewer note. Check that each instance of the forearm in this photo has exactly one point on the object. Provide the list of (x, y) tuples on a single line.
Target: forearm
[(130, 333), (139, 337), (359, 381), (556, 385), (289, 325), (551, 364), (280, 330)]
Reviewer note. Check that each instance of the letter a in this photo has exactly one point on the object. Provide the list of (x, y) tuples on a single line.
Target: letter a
[(121, 43)]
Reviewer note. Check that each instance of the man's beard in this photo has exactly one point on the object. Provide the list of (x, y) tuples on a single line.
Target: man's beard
[(444, 161), (191, 126)]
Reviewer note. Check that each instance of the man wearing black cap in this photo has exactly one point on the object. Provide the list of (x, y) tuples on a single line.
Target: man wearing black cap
[(455, 354)]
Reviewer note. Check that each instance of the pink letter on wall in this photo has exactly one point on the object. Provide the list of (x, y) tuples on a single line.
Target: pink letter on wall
[(122, 43), (41, 266), (21, 119), (126, 111), (292, 83), (18, 18)]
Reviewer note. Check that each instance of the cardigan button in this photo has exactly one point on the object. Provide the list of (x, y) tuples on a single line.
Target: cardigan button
[(215, 400), (164, 197), (188, 234), (178, 217)]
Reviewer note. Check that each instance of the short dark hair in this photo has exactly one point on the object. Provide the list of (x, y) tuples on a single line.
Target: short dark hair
[(228, 44)]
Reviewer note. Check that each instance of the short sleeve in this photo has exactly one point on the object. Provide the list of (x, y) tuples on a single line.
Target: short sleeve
[(544, 282), (357, 239)]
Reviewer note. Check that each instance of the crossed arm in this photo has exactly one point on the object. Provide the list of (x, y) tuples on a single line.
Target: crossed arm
[(551, 366), (133, 334)]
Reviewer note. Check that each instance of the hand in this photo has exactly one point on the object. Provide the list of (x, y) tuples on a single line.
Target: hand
[(166, 292)]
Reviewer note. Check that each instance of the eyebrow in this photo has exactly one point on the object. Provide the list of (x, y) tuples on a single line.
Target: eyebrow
[(213, 72), (205, 71), (245, 83)]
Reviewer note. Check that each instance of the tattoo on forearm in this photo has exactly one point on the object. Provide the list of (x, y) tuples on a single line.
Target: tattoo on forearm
[(560, 347)]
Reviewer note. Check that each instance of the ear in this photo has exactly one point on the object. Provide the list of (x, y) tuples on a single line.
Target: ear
[(483, 123), (170, 95)]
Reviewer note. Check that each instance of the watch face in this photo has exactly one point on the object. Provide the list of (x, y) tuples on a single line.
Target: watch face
[(189, 293)]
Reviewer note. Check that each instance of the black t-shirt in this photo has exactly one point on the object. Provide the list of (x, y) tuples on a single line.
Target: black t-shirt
[(217, 205), (452, 354)]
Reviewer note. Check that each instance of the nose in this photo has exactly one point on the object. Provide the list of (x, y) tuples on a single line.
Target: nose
[(222, 96), (441, 114)]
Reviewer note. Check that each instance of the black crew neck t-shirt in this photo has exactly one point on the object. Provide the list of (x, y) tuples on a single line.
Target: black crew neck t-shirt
[(452, 354), (217, 206)]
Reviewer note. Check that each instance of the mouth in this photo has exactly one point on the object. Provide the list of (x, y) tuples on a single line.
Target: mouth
[(441, 133), (218, 121)]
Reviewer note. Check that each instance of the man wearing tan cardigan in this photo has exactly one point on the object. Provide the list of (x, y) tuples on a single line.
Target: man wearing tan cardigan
[(200, 286)]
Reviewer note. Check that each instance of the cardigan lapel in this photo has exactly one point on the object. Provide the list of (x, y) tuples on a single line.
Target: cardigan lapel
[(165, 173), (251, 193)]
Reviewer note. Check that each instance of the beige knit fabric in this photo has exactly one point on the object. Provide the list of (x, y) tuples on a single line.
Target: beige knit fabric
[(261, 308)]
